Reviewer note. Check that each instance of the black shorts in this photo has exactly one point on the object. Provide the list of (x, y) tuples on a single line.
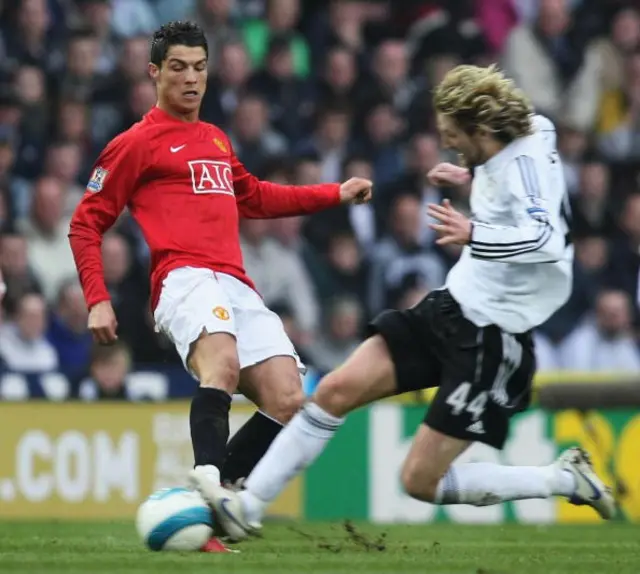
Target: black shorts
[(484, 373)]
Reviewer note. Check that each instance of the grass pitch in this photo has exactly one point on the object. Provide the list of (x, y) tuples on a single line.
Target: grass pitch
[(88, 548)]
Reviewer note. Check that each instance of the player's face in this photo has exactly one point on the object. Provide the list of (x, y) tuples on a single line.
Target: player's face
[(182, 79), (453, 137)]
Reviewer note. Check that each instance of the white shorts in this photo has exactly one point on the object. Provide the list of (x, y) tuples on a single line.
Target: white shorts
[(194, 300)]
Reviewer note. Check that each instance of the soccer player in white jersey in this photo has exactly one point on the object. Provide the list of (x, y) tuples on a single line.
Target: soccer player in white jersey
[(473, 338)]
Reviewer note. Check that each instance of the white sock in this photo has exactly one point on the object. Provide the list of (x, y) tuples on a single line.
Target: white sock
[(295, 448), (483, 483)]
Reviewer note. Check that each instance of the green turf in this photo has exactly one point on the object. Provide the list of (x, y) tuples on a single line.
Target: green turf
[(48, 548)]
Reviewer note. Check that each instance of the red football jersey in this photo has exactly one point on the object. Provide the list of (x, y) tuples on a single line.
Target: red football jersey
[(186, 189)]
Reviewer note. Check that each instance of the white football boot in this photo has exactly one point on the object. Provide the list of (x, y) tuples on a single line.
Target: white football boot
[(590, 490), (226, 505)]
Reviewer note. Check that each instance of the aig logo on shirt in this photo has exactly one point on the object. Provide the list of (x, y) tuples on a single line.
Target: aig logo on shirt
[(208, 176)]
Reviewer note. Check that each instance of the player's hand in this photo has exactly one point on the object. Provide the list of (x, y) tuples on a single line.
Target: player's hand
[(102, 323), (445, 174), (454, 228), (356, 190)]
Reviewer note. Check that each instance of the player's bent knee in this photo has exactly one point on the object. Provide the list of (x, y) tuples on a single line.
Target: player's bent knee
[(334, 395), (214, 361), (418, 483), (285, 404)]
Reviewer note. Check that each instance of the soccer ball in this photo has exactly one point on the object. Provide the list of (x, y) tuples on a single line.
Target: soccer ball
[(174, 519)]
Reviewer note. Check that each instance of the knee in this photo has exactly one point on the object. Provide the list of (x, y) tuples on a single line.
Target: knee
[(417, 483), (217, 368), (335, 395), (284, 404)]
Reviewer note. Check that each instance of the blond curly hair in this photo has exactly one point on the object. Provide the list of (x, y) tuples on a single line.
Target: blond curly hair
[(479, 98)]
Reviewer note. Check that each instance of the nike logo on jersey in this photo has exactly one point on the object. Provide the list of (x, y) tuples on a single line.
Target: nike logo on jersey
[(177, 149)]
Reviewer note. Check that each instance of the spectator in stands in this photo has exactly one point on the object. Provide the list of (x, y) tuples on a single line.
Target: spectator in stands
[(281, 18), (216, 18), (606, 342), (108, 372), (97, 16), (8, 182), (29, 86), (226, 84), (344, 271), (390, 80), (279, 273), (422, 154), (133, 18), (299, 338), (589, 278), (591, 205), (341, 335), (399, 254), (46, 232), (68, 331), (23, 345), (558, 69), (63, 161), (252, 137), (142, 97), (17, 274), (624, 270), (358, 220), (383, 130), (623, 40), (11, 112), (73, 73), (29, 40), (6, 206), (81, 76), (127, 289), (108, 117), (619, 115), (330, 140), (572, 146), (289, 95), (339, 80)]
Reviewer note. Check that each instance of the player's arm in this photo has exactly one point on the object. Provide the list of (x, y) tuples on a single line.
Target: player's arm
[(258, 199), (537, 237), (115, 177)]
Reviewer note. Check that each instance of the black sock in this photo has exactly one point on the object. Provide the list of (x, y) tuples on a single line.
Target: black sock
[(248, 446), (209, 419)]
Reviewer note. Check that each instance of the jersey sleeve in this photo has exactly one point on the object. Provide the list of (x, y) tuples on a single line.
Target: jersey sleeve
[(536, 237), (114, 179), (258, 199)]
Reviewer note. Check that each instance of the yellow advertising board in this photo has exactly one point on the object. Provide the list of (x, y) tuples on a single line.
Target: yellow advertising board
[(98, 460)]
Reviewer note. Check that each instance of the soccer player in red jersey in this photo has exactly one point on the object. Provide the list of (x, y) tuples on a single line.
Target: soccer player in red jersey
[(183, 184)]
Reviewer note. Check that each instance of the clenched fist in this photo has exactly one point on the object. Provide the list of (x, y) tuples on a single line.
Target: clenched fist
[(102, 323), (445, 174), (356, 190)]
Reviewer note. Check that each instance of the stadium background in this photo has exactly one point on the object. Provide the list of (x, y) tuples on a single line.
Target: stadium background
[(309, 91)]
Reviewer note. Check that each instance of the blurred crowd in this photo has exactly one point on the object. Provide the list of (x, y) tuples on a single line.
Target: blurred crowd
[(314, 91)]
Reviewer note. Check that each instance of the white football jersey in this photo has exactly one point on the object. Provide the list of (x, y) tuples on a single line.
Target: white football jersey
[(517, 269)]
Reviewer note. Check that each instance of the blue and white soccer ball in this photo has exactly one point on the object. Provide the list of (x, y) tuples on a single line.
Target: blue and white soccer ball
[(175, 519)]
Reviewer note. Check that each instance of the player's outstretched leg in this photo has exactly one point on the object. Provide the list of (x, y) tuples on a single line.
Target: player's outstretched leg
[(431, 475), (366, 376), (274, 386), (214, 361)]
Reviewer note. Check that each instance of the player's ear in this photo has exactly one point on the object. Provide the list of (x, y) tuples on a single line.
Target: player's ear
[(153, 71)]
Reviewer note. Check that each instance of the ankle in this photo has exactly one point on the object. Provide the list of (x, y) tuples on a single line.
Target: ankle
[(253, 507), (211, 471)]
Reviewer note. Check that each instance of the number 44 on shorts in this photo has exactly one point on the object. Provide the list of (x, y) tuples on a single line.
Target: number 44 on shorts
[(459, 402)]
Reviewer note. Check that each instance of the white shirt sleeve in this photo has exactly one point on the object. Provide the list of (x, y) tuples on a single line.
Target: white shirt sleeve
[(534, 238)]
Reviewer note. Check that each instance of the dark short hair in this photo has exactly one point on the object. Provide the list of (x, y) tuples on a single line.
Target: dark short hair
[(176, 34)]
